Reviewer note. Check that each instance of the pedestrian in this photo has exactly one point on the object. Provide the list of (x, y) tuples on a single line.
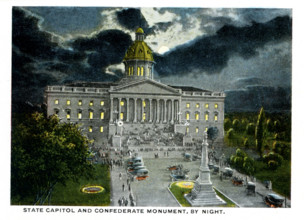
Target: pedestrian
[(119, 201), (123, 187), (128, 181), (164, 153), (123, 201), (221, 176), (120, 175), (133, 203), (167, 153), (129, 187), (126, 202)]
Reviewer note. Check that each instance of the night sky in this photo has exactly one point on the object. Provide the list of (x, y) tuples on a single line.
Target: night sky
[(244, 52)]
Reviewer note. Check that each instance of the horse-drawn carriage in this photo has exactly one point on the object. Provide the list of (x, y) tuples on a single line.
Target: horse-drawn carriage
[(228, 172), (175, 167), (250, 188), (273, 200), (237, 181)]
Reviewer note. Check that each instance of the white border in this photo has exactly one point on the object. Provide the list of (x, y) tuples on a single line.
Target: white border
[(15, 212)]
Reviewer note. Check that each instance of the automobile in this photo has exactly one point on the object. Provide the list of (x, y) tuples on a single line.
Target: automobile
[(273, 200), (176, 177), (250, 189), (142, 174), (175, 167), (133, 160), (228, 172), (216, 169), (135, 169), (237, 181)]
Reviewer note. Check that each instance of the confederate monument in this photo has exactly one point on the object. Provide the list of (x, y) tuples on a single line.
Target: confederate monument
[(202, 193)]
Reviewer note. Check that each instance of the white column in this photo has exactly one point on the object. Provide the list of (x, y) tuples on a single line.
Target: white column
[(111, 111), (135, 110), (165, 111), (150, 109), (172, 111), (119, 108), (157, 111), (142, 110), (128, 109)]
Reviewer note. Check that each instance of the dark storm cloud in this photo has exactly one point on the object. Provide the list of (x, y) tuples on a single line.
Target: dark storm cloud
[(252, 98), (38, 62), (28, 38), (210, 54), (243, 82), (106, 48), (132, 19)]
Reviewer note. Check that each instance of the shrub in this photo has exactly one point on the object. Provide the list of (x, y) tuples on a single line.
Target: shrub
[(246, 143), (236, 125), (250, 129), (227, 124), (230, 133)]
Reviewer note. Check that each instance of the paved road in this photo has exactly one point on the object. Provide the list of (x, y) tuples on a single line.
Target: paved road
[(154, 192)]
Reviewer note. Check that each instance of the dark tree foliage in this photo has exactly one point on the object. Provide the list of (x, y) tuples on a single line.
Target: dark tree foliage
[(259, 132), (212, 133), (44, 153)]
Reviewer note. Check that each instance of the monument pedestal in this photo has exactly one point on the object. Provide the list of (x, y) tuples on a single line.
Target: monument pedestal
[(116, 141), (203, 193)]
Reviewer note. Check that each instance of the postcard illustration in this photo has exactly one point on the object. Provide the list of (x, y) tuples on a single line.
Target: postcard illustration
[(151, 107)]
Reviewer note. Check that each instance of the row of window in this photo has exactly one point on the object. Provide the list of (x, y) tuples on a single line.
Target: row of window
[(68, 102), (79, 114), (100, 129), (196, 129), (197, 116), (140, 71), (197, 105)]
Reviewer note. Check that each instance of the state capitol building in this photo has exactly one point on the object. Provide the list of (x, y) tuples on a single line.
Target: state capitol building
[(137, 105)]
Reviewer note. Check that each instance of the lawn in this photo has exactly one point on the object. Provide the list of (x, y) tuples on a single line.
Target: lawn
[(71, 193), (179, 195)]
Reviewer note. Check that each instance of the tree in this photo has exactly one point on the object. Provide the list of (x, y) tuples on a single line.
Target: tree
[(250, 128), (236, 124), (45, 153), (227, 124), (212, 133), (259, 132)]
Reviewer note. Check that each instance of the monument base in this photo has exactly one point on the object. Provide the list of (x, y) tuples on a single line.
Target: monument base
[(116, 141), (203, 195)]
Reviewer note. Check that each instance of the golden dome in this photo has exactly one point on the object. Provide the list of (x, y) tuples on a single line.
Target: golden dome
[(140, 30), (139, 50)]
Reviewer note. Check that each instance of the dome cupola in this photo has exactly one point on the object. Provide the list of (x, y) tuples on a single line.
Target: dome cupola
[(139, 60)]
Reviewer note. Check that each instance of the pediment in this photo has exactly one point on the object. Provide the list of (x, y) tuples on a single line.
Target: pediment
[(144, 87)]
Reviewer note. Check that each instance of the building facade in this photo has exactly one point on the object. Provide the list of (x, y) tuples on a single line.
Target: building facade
[(137, 102)]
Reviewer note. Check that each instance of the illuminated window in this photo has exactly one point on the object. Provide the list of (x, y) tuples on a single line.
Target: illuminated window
[(79, 115), (197, 105), (142, 71), (101, 115), (144, 103), (215, 117), (206, 129), (91, 103), (122, 103), (68, 102), (129, 71), (206, 116), (187, 130), (187, 116), (102, 103), (215, 105), (188, 105), (80, 102), (196, 116), (121, 116), (138, 71), (56, 101), (91, 114), (90, 129), (196, 130), (206, 105), (68, 116), (144, 116), (101, 129)]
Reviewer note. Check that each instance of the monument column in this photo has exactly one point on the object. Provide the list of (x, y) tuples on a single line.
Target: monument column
[(203, 193), (157, 112)]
